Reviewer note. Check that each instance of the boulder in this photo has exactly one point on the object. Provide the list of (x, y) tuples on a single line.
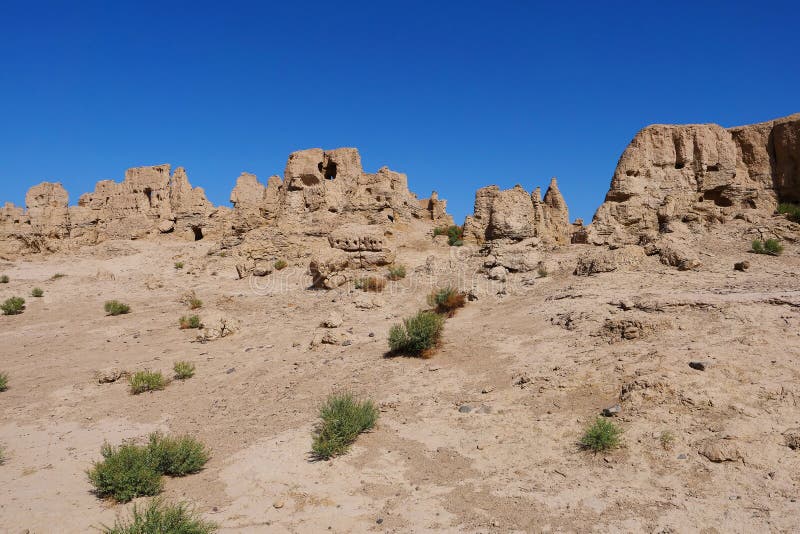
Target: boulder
[(603, 261)]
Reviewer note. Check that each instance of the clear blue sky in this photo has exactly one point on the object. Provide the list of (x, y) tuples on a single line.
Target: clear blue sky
[(457, 95)]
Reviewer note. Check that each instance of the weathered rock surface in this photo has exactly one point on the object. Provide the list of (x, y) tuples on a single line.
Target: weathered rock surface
[(687, 178), (514, 214), (604, 261)]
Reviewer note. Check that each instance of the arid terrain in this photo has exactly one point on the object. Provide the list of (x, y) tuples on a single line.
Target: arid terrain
[(562, 322)]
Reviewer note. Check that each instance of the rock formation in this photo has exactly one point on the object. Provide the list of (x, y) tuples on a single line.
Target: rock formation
[(686, 178), (514, 215)]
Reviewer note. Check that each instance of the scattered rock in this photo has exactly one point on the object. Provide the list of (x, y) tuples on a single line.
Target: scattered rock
[(498, 273), (464, 408), (720, 450), (278, 504), (110, 375), (612, 411), (700, 366), (334, 320), (792, 438), (604, 261), (741, 265)]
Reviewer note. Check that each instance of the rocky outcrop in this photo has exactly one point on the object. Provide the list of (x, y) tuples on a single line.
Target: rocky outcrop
[(515, 215), (688, 178), (353, 248)]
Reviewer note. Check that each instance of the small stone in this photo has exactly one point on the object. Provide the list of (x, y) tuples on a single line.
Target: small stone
[(792, 438), (231, 370), (278, 504), (700, 366), (498, 273), (741, 265), (626, 304), (346, 343), (682, 456), (372, 334), (334, 320), (612, 411), (495, 524), (479, 447), (464, 409), (379, 520)]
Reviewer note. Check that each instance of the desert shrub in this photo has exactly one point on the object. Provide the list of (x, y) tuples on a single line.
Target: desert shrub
[(159, 517), (176, 456), (195, 303), (179, 265), (666, 439), (126, 472), (142, 381), (13, 306), (183, 370), (417, 335), (600, 436), (3, 381), (541, 270), (193, 321), (446, 300), (343, 419), (397, 272), (115, 307), (37, 292), (772, 247), (280, 264), (454, 233), (372, 283), (792, 211), (4, 279)]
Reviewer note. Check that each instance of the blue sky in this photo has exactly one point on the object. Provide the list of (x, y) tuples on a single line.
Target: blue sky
[(458, 95)]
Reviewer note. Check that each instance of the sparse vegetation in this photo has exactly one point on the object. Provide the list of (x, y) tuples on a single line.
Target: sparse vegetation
[(193, 321), (792, 211), (183, 370), (371, 283), (541, 270), (397, 272), (446, 300), (3, 381), (126, 472), (772, 247), (178, 265), (159, 517), (13, 306), (280, 264), (602, 435), (4, 279), (417, 335), (142, 381), (667, 439), (37, 292), (115, 307), (176, 456), (131, 470), (455, 234), (343, 419), (195, 303)]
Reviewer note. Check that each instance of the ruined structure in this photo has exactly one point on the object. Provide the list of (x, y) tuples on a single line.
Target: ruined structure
[(514, 214), (687, 178)]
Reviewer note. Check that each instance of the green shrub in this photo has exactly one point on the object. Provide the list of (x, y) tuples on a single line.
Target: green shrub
[(193, 321), (37, 292), (115, 307), (142, 381), (792, 211), (3, 381), (343, 419), (397, 272), (280, 264), (159, 517), (179, 265), (125, 473), (417, 335), (13, 306), (666, 439), (4, 279), (772, 247), (176, 457), (183, 370), (454, 233), (600, 436), (446, 300), (195, 303)]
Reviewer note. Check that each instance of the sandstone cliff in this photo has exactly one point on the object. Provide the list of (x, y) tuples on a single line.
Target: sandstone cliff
[(687, 178)]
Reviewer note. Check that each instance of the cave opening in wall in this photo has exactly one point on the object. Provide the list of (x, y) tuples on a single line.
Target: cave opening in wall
[(149, 194), (330, 171), (198, 233)]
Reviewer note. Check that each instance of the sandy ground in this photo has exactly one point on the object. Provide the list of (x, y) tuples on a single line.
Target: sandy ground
[(534, 365)]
